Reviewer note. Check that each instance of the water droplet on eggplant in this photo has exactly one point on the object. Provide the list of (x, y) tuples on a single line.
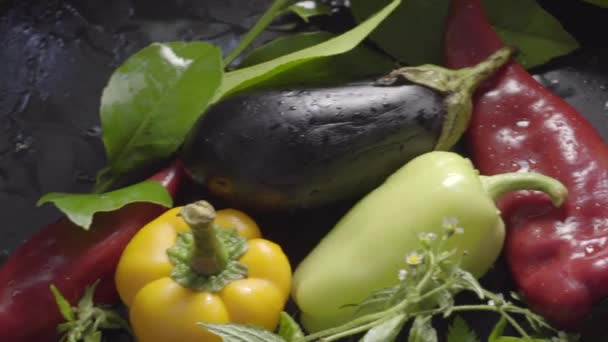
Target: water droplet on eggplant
[(92, 132)]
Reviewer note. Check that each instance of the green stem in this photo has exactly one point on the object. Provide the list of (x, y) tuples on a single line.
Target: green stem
[(458, 85), (209, 256), (267, 18), (501, 184)]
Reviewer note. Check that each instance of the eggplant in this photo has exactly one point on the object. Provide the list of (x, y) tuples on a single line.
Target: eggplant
[(304, 148)]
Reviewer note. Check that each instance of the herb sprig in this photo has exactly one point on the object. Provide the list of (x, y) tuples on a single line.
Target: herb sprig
[(429, 280)]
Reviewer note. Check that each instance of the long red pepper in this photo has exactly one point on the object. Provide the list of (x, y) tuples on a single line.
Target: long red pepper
[(70, 258), (558, 257)]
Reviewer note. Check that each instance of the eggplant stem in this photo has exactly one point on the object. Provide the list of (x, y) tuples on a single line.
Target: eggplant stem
[(458, 86)]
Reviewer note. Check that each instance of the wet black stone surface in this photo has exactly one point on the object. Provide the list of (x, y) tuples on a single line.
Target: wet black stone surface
[(56, 57)]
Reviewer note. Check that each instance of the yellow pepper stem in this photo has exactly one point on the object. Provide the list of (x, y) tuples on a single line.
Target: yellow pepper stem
[(209, 256)]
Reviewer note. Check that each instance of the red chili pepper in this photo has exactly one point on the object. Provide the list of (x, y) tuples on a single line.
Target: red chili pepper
[(557, 256), (70, 258)]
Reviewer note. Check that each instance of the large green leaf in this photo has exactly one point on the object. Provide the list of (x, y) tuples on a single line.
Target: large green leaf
[(414, 32), (601, 3), (249, 77), (538, 36), (153, 99), (358, 63), (80, 208)]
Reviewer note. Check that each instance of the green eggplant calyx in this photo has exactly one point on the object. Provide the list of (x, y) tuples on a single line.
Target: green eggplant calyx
[(500, 184), (458, 86), (206, 259)]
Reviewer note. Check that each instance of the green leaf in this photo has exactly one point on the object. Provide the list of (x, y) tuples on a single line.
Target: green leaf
[(359, 63), (289, 328), (601, 3), (422, 330), (538, 36), (469, 282), (65, 308), (246, 78), (310, 8), (80, 208), (95, 337), (153, 99), (497, 331), (386, 331), (276, 8), (377, 300), (85, 322), (241, 333), (459, 331), (414, 32)]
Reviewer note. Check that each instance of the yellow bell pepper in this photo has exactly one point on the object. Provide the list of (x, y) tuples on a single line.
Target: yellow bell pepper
[(185, 267)]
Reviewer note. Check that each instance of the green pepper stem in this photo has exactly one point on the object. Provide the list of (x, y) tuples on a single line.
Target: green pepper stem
[(501, 184), (209, 256)]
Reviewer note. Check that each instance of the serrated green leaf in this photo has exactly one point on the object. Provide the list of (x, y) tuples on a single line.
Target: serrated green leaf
[(377, 300), (80, 208), (241, 333), (445, 301), (65, 308), (469, 282), (246, 78), (386, 331), (85, 304), (459, 331), (152, 100), (422, 330), (310, 8), (289, 329), (414, 32)]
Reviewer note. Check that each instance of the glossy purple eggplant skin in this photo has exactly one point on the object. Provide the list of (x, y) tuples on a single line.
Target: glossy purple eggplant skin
[(306, 148)]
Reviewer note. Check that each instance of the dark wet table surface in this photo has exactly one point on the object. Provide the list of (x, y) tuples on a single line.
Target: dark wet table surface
[(57, 56)]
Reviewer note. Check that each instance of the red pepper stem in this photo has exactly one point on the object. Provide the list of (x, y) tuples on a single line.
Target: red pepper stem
[(500, 184), (209, 255)]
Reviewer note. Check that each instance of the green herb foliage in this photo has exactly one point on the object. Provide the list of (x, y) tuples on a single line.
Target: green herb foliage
[(459, 331), (289, 328), (414, 32), (80, 208), (85, 321), (428, 277)]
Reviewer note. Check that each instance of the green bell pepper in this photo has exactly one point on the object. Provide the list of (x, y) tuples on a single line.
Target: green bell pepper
[(365, 250)]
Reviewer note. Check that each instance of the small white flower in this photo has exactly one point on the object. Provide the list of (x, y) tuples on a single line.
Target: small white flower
[(459, 230), (491, 303), (414, 258), (402, 274), (450, 222)]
